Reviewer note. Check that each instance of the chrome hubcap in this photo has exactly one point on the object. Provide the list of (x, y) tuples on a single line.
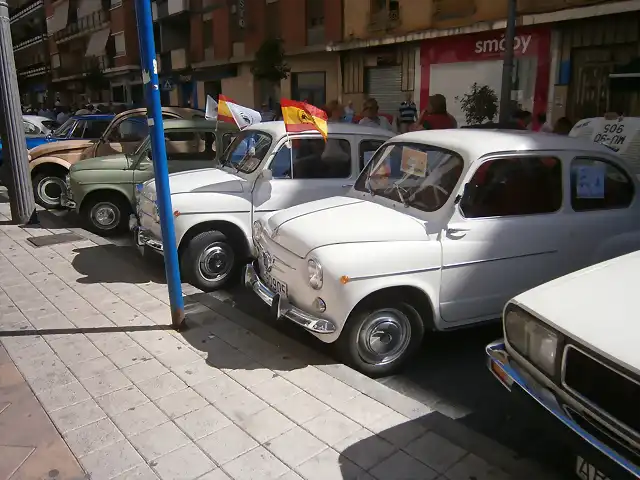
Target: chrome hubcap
[(105, 215), (50, 189), (216, 261), (384, 336)]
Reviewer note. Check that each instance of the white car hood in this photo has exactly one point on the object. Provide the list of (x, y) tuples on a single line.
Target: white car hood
[(205, 180), (338, 220), (596, 306)]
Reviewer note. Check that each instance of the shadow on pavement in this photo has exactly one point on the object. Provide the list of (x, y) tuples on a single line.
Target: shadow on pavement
[(115, 266), (64, 331)]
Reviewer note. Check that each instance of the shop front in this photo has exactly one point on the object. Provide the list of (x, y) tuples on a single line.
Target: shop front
[(450, 66)]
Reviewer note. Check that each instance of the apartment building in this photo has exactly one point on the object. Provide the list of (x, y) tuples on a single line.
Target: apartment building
[(392, 48), (30, 48)]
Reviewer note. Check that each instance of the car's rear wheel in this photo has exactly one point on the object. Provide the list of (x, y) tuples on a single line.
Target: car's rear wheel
[(380, 336), (209, 262), (105, 214), (48, 187)]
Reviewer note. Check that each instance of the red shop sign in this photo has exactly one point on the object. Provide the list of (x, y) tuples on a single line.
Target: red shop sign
[(485, 46)]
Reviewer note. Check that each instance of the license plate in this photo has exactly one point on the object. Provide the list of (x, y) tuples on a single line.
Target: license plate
[(275, 285), (586, 471)]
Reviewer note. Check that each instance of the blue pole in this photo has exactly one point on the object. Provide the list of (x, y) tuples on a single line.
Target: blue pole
[(159, 157)]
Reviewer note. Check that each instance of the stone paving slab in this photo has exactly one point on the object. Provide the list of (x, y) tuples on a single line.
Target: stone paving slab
[(229, 398)]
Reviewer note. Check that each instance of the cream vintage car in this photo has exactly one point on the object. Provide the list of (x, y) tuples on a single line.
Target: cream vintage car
[(263, 170), (49, 163), (440, 230)]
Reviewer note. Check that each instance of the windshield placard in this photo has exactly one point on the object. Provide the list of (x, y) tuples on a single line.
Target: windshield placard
[(414, 162)]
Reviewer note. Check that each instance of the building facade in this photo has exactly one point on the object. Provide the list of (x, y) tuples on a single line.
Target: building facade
[(30, 49)]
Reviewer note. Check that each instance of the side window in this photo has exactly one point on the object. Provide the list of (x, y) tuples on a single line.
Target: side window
[(95, 128), (281, 163), (367, 149), (514, 186), (184, 145), (30, 128), (78, 130), (132, 129), (313, 158), (599, 185), (50, 124)]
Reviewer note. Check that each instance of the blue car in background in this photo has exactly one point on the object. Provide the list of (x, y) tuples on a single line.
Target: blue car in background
[(77, 127)]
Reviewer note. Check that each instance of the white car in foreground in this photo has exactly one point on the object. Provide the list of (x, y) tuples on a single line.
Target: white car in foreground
[(571, 351), (263, 170), (440, 230)]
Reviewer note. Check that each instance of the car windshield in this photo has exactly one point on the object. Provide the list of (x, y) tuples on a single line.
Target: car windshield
[(247, 151), (64, 129), (416, 175)]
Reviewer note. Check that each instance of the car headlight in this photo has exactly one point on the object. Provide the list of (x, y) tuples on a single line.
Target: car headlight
[(531, 339), (314, 270), (156, 213)]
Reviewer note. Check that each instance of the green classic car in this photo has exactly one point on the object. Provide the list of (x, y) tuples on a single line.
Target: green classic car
[(102, 190)]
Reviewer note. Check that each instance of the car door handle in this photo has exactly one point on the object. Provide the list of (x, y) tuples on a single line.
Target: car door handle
[(347, 185)]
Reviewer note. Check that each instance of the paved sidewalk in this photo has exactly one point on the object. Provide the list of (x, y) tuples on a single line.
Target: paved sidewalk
[(227, 399)]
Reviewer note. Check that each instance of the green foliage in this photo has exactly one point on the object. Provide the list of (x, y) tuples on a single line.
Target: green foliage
[(480, 104), (270, 64)]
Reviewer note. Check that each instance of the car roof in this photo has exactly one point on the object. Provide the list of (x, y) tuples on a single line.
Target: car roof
[(183, 112), (478, 143), (36, 118), (94, 116), (199, 124), (277, 129)]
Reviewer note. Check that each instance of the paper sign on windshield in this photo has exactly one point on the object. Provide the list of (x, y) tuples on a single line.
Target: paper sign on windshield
[(590, 181), (414, 162)]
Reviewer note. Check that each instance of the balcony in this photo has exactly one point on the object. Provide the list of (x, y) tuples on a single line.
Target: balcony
[(38, 40), (177, 59), (32, 71), (82, 67), (26, 11), (83, 26), (168, 8), (385, 19)]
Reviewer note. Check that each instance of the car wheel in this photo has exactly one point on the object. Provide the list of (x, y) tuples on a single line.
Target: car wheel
[(379, 336), (105, 215), (47, 188), (209, 261)]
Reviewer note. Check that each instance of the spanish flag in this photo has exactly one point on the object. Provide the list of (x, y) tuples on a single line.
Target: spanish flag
[(231, 112), (302, 117), (224, 113)]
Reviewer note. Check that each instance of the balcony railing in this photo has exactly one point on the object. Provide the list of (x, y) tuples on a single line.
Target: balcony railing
[(26, 10), (84, 66), (85, 25), (28, 43), (386, 19), (32, 71)]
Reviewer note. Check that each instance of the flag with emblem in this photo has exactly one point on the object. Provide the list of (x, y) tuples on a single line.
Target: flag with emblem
[(302, 117), (231, 112)]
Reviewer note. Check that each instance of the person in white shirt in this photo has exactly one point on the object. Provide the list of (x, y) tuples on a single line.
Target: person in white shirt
[(371, 117)]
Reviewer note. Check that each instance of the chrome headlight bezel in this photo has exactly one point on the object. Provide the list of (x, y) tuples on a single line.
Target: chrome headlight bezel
[(256, 230), (156, 212), (532, 339), (315, 274)]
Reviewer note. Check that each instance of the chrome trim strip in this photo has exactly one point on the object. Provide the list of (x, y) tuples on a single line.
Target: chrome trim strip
[(475, 262), (384, 275), (285, 309), (497, 354), (602, 412), (143, 237)]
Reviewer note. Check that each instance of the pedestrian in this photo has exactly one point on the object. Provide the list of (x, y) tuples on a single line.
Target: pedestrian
[(266, 114), (371, 117), (334, 111), (563, 126), (436, 116), (407, 113), (349, 112), (63, 115), (542, 124), (523, 118)]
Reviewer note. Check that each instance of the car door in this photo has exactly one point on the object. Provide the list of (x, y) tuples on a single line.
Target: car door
[(124, 136), (306, 168), (506, 235)]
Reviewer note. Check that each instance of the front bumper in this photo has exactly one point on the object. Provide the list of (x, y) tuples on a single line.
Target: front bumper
[(281, 307), (142, 236), (66, 197), (583, 443)]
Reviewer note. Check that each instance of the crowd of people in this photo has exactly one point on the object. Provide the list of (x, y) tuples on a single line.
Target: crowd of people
[(61, 113)]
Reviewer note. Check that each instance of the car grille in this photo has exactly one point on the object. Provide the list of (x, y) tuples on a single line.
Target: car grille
[(613, 393)]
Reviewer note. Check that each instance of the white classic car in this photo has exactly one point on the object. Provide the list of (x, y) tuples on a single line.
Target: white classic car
[(263, 170), (571, 350), (440, 230)]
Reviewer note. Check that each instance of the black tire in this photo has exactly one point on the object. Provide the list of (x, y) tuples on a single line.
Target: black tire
[(209, 262), (46, 186), (114, 210), (347, 344)]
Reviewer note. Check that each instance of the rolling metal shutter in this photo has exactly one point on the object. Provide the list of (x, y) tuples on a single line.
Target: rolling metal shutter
[(385, 85)]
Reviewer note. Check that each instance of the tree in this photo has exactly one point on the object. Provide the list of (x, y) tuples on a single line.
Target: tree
[(479, 104), (270, 64)]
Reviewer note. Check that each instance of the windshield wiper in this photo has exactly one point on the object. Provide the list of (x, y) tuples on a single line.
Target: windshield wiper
[(399, 192)]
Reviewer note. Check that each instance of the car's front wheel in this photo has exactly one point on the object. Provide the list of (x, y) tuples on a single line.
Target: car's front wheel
[(48, 187), (380, 335), (209, 262), (105, 214)]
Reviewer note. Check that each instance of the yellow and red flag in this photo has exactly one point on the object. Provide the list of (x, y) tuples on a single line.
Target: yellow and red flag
[(302, 117)]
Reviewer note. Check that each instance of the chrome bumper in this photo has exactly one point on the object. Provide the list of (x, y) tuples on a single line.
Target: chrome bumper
[(66, 201), (143, 237), (509, 374), (284, 309)]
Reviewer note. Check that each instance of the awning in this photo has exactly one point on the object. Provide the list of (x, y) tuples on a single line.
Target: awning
[(97, 43), (626, 77), (87, 7), (59, 19)]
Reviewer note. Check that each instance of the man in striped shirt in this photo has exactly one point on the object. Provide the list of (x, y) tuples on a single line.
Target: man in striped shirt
[(408, 113)]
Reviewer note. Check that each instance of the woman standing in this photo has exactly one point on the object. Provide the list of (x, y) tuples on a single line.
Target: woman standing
[(436, 116)]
